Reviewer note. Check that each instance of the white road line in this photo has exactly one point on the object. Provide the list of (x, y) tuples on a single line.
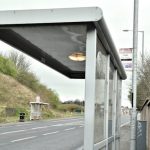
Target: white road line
[(19, 125), (51, 133), (27, 138), (12, 132), (58, 125), (69, 129), (40, 127)]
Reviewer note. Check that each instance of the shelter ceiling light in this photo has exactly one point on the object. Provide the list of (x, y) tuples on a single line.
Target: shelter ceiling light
[(77, 56)]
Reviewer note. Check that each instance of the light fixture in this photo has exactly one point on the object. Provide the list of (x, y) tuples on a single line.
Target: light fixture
[(77, 56)]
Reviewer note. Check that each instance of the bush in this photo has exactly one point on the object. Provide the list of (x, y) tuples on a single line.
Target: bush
[(7, 67), (19, 61), (24, 110), (47, 114), (28, 79), (70, 108)]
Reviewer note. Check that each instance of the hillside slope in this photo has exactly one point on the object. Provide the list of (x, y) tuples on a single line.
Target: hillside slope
[(14, 94)]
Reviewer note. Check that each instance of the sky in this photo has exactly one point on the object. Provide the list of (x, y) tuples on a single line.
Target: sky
[(118, 15)]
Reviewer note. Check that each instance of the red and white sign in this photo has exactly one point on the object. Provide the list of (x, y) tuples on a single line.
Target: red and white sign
[(126, 58), (125, 53)]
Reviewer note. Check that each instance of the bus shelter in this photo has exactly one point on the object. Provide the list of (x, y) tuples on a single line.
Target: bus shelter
[(35, 108), (76, 42)]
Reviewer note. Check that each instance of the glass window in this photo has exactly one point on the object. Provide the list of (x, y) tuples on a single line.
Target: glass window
[(104, 148), (118, 105), (110, 146), (111, 89), (117, 142), (118, 112), (100, 97)]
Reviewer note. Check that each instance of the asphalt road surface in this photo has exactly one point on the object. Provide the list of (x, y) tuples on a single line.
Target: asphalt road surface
[(64, 134), (61, 134)]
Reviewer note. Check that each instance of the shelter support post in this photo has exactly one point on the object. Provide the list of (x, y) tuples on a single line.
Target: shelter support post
[(90, 76)]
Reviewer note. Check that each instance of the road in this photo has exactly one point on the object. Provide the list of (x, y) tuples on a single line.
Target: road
[(64, 134)]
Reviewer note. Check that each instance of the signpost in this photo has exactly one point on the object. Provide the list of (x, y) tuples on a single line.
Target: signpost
[(126, 58)]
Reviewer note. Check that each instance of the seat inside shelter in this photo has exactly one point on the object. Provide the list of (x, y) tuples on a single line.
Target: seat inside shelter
[(53, 36)]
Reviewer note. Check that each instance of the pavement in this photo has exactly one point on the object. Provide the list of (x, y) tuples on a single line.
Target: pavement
[(125, 137), (64, 134)]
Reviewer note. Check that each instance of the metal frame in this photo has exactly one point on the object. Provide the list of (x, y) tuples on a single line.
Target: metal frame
[(93, 18), (60, 16), (119, 105), (114, 107), (57, 15), (107, 100), (90, 89)]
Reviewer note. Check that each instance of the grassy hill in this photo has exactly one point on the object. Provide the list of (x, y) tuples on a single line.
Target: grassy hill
[(14, 94), (17, 96), (19, 86)]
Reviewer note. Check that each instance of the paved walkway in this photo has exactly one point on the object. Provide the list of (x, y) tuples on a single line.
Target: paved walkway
[(125, 138)]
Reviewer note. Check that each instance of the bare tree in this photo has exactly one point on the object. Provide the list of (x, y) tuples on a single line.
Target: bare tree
[(143, 84), (20, 61)]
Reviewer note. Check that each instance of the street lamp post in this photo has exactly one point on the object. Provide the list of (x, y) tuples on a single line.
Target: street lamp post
[(142, 44), (134, 76)]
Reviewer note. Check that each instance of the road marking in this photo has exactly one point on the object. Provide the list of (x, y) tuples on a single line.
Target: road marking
[(27, 138), (51, 133), (69, 129), (19, 125), (57, 125), (39, 127), (42, 127), (12, 132), (125, 124)]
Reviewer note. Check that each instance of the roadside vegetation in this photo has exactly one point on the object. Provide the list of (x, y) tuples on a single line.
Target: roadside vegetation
[(19, 86), (143, 83)]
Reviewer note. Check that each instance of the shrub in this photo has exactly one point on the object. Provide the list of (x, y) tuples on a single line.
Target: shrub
[(70, 107), (7, 67), (19, 61), (28, 79)]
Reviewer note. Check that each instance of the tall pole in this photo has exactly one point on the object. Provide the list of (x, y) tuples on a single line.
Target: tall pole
[(142, 47), (134, 77)]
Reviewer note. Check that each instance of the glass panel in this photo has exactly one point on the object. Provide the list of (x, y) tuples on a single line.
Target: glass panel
[(117, 142), (110, 146), (111, 89), (118, 106), (104, 148), (101, 68)]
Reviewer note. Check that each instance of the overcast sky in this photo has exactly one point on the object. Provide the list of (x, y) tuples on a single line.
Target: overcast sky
[(118, 15)]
